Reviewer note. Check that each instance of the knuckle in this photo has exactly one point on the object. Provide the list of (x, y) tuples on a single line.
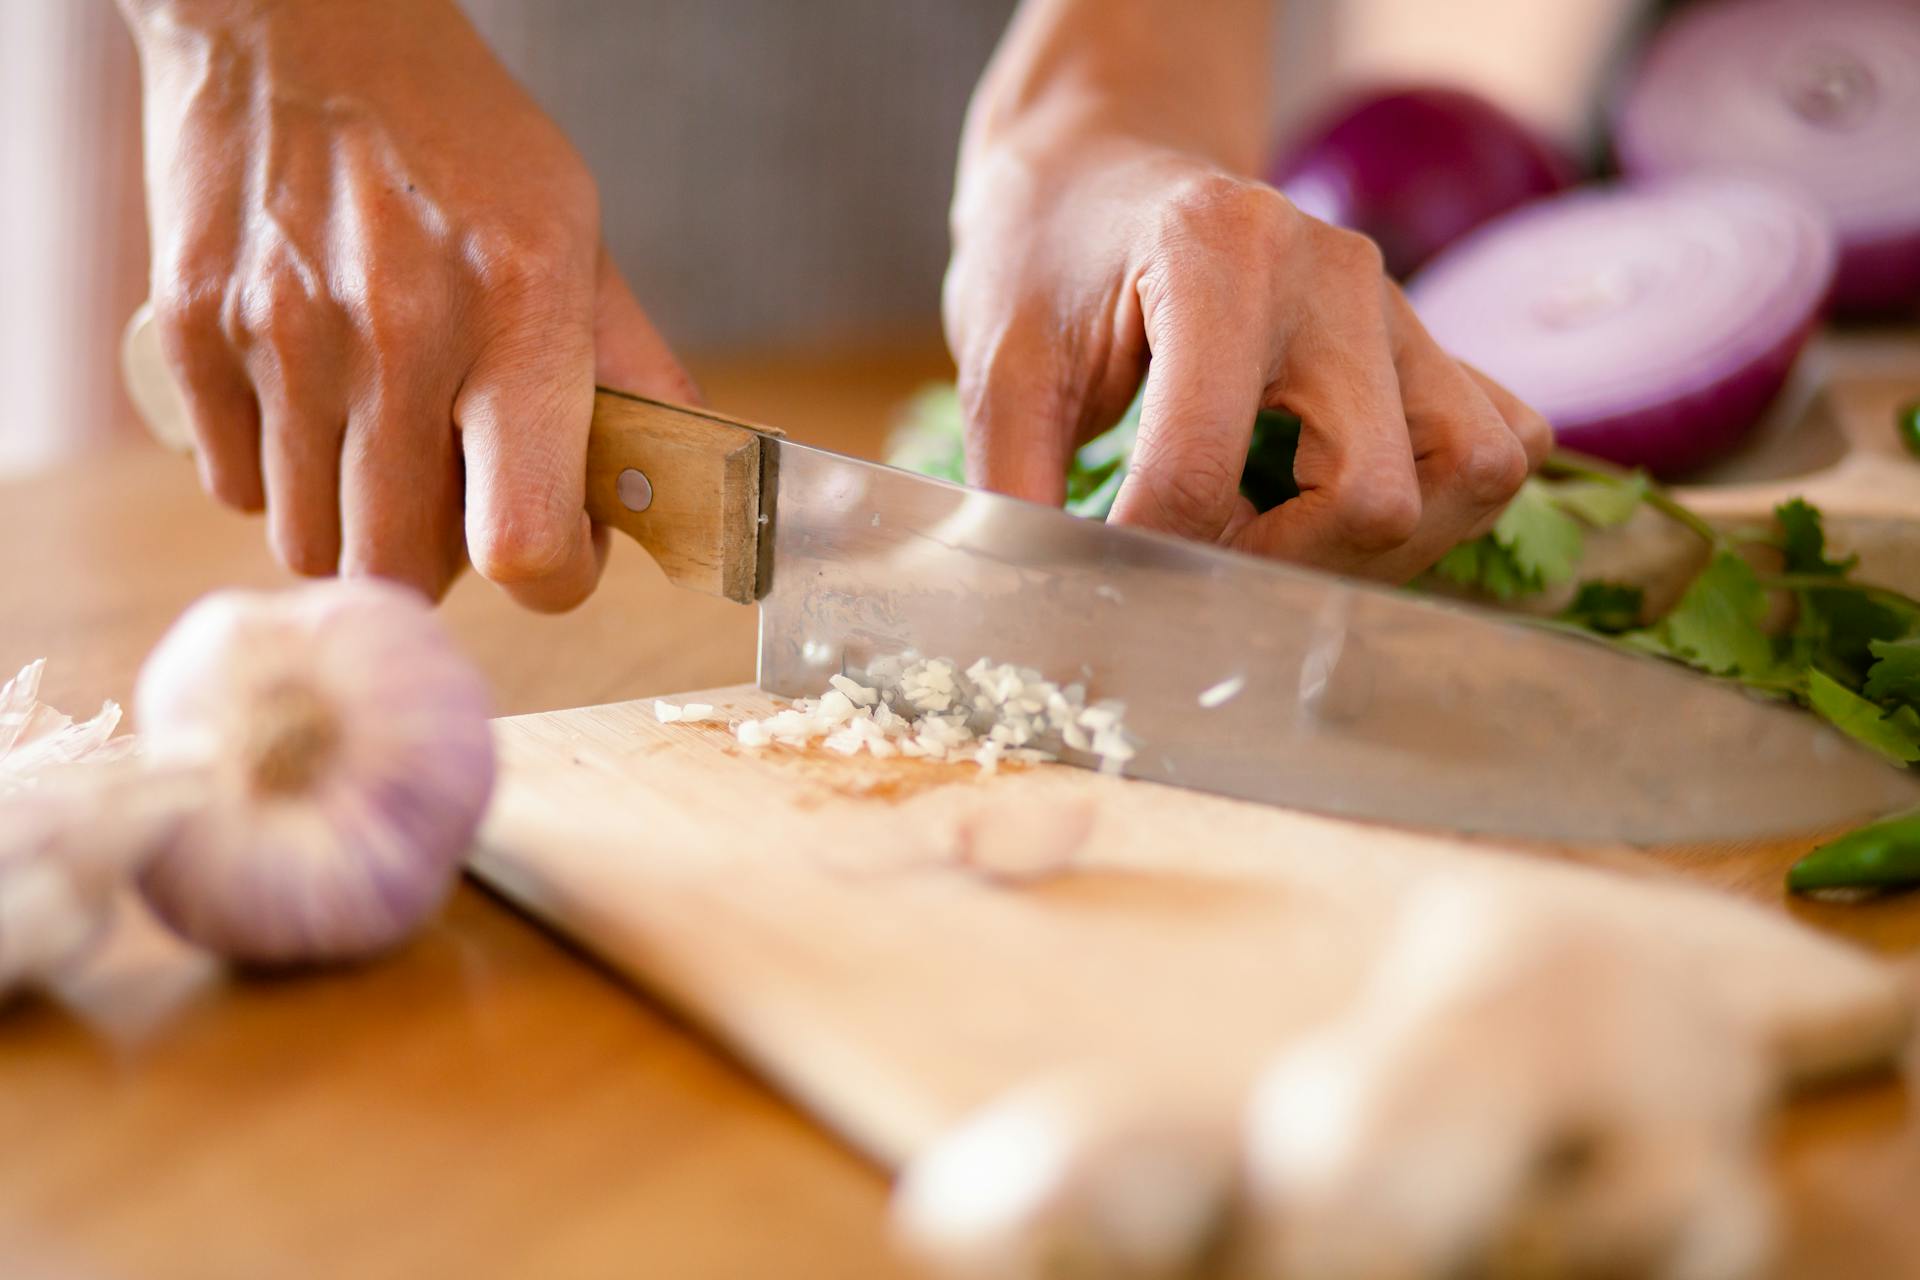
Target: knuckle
[(1535, 434), (524, 261), (1351, 252), (518, 551), (1492, 468), (1376, 516), (1192, 496), (399, 321), (186, 318), (275, 310), (1223, 212)]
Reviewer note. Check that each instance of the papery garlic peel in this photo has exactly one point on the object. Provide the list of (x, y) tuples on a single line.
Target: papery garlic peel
[(347, 761)]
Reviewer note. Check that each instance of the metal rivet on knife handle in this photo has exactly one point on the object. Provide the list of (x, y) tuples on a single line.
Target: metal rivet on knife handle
[(635, 490)]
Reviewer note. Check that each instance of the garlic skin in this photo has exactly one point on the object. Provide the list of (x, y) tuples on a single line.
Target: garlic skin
[(56, 895), (347, 762)]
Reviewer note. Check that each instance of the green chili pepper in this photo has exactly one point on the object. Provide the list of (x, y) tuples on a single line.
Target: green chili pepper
[(1907, 422), (1883, 854)]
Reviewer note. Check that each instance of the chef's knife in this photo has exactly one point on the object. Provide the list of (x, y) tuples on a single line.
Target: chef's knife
[(1240, 676)]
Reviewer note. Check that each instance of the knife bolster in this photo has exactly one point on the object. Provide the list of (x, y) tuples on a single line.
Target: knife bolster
[(702, 524)]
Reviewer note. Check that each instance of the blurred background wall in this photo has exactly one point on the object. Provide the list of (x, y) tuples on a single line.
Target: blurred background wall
[(774, 174)]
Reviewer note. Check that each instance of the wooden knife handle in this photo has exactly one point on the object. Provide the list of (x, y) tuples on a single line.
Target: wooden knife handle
[(683, 483)]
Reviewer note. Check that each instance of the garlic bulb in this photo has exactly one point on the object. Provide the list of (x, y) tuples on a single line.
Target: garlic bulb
[(346, 761)]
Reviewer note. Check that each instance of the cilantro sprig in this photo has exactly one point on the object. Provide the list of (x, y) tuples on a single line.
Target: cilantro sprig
[(1847, 650)]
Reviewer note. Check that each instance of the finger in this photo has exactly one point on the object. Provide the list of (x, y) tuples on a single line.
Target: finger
[(1019, 412), (292, 356), (1206, 376), (400, 490), (523, 414), (219, 399), (301, 438), (1359, 488), (1469, 461), (628, 352), (1528, 424)]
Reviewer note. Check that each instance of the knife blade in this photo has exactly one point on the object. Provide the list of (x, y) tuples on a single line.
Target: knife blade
[(1275, 683), (1240, 676)]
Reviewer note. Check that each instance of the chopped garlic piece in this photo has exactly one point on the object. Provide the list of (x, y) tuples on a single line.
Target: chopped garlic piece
[(930, 709), (1224, 692), (857, 693)]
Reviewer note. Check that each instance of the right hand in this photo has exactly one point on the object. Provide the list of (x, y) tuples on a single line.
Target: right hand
[(380, 284)]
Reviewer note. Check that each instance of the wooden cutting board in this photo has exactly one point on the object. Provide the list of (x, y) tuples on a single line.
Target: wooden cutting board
[(872, 936)]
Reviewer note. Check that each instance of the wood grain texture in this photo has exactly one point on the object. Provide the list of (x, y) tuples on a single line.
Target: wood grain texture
[(489, 1103), (841, 922), (702, 522)]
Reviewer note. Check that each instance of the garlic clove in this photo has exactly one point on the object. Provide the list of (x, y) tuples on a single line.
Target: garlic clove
[(1514, 1094), (1075, 1175), (67, 849)]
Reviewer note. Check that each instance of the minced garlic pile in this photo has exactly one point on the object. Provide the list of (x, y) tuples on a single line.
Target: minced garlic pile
[(929, 709)]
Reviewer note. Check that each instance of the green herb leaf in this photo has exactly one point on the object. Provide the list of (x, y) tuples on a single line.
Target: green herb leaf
[(1803, 540), (929, 437), (1604, 504), (1717, 624), (1895, 734), (1534, 545), (1607, 607), (1543, 540), (1895, 674), (1485, 566), (1267, 480), (1838, 625)]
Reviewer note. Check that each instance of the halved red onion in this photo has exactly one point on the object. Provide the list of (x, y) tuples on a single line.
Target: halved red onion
[(1650, 325), (1824, 96), (1416, 169)]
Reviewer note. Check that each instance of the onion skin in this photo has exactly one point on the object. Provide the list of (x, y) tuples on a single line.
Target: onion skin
[(1417, 168), (1878, 279), (1686, 433), (345, 853)]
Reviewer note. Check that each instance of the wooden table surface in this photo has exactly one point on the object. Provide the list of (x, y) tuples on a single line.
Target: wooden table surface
[(488, 1101)]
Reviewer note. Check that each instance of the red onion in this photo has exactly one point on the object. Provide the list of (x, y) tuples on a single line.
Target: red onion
[(1823, 96), (1650, 325), (1417, 168)]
